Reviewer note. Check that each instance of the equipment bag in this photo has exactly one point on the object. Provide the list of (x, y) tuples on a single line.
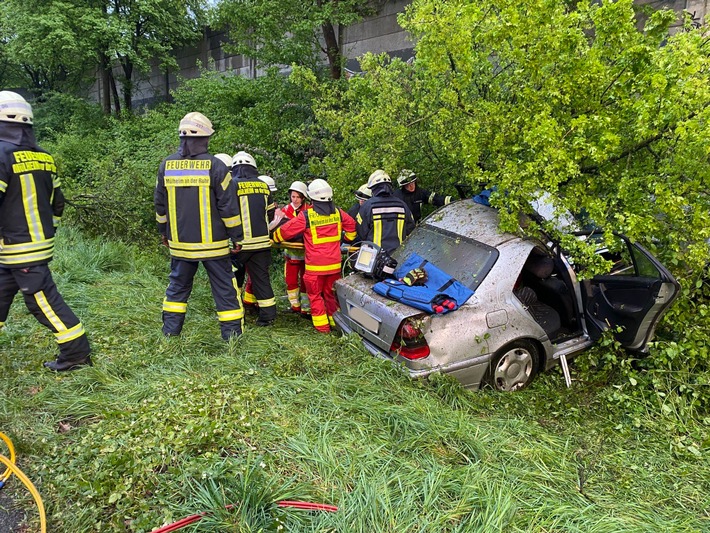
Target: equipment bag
[(440, 294)]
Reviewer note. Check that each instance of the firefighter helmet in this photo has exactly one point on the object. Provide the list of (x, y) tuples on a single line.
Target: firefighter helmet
[(225, 158), (195, 125), (243, 158), (406, 177), (270, 182), (299, 187), (363, 193), (378, 176), (320, 191), (14, 108)]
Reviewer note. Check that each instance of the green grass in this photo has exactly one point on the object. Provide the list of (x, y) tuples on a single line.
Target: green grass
[(162, 428)]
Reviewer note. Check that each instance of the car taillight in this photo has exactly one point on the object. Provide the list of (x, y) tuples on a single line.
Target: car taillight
[(410, 342)]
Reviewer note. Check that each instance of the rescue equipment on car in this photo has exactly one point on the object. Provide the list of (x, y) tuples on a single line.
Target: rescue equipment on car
[(435, 292)]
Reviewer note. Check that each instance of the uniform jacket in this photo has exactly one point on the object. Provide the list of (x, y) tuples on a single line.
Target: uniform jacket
[(31, 205), (384, 220), (196, 207), (294, 248), (414, 200), (255, 207), (321, 238)]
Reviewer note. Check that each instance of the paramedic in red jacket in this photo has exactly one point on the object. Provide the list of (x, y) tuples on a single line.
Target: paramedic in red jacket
[(321, 227)]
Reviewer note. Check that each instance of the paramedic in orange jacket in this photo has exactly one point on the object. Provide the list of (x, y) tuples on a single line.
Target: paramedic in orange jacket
[(321, 227)]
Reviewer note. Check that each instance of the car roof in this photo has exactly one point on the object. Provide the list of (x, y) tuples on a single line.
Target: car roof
[(473, 220)]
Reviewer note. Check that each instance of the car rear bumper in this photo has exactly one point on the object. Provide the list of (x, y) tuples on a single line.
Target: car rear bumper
[(469, 373)]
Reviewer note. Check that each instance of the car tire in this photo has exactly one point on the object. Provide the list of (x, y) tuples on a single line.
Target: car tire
[(513, 367)]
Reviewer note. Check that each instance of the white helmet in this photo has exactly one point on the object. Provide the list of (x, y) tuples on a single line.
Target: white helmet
[(243, 158), (225, 158), (270, 182), (320, 191), (406, 177), (14, 108), (378, 176), (363, 192), (195, 125), (300, 187)]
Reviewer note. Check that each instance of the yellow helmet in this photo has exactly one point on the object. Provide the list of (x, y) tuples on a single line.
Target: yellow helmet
[(195, 125)]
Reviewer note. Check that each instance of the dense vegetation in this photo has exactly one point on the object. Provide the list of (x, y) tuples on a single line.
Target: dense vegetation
[(524, 96)]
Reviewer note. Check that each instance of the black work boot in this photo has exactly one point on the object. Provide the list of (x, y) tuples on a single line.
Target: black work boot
[(67, 366)]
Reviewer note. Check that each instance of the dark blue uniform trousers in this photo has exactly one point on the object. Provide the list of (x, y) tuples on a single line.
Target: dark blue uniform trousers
[(224, 291), (46, 304)]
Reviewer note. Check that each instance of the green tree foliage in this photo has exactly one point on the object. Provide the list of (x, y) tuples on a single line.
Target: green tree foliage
[(532, 96), (284, 32)]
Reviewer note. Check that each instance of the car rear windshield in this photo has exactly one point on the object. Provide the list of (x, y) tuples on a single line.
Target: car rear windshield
[(465, 259)]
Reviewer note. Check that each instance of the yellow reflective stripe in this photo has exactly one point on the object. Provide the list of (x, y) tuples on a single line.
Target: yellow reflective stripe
[(200, 245), (232, 222), (331, 321), (322, 268), (56, 221), (447, 200), (161, 219), (174, 307), (206, 254), (226, 316), (47, 310), (377, 231), (206, 214), (173, 214), (292, 295), (350, 235), (2, 324), (400, 229), (267, 303), (56, 182), (28, 246), (249, 298), (225, 181), (29, 199), (358, 219), (246, 217), (320, 320), (25, 258), (277, 236), (3, 186), (70, 334)]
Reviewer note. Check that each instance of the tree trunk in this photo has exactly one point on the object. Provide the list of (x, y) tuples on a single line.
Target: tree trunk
[(114, 91), (127, 84), (332, 50), (105, 83)]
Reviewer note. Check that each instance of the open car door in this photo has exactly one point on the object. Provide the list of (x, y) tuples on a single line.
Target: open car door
[(631, 298)]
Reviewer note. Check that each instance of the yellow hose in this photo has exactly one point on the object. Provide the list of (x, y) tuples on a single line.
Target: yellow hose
[(7, 473), (13, 469)]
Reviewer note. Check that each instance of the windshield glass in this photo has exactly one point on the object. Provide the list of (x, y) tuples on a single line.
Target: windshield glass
[(465, 259)]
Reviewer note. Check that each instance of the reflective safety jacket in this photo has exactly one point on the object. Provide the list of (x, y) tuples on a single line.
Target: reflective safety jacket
[(31, 205), (384, 220), (255, 205), (196, 207), (294, 249), (419, 196), (321, 238)]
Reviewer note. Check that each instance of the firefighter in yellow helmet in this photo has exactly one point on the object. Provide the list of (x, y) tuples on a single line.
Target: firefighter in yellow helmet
[(31, 206), (197, 214)]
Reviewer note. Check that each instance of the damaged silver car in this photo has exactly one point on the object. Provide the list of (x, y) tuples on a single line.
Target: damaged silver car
[(529, 309)]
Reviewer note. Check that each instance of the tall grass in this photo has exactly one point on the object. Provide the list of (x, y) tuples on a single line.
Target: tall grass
[(162, 428)]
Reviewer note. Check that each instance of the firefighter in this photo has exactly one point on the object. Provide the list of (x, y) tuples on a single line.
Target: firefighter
[(362, 195), (294, 253), (414, 196), (31, 206), (384, 219), (197, 214), (321, 228), (255, 202)]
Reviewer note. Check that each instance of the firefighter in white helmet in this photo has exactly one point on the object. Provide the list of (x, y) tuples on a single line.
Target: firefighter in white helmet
[(414, 196), (362, 195), (197, 214), (31, 206), (256, 209), (383, 219), (321, 228)]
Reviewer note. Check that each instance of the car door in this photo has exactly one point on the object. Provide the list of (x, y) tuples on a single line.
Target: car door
[(631, 298)]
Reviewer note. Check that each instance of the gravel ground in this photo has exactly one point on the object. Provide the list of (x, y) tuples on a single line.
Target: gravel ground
[(10, 516)]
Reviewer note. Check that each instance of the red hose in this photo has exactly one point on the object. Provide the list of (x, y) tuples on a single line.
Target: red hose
[(283, 503)]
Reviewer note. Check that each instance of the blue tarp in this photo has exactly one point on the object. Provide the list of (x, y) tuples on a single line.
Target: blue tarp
[(440, 294)]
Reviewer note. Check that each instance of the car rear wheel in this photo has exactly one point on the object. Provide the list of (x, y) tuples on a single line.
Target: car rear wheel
[(513, 367)]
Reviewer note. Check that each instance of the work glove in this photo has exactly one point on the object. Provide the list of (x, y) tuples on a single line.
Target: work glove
[(234, 247), (415, 276)]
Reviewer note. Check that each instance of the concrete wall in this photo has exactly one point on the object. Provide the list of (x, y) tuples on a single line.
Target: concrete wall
[(379, 33)]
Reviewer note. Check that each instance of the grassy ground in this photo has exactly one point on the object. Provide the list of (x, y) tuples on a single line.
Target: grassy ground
[(162, 428)]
